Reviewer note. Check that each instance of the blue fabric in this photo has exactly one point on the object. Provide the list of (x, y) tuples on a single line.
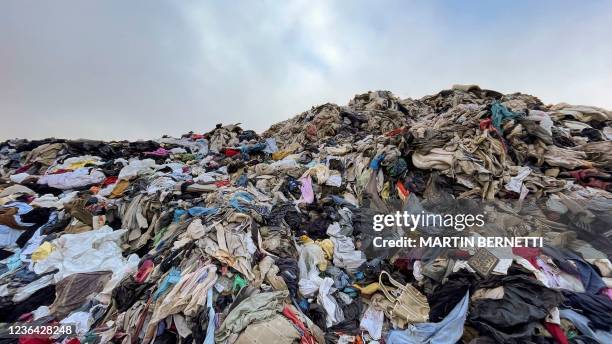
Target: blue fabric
[(243, 181), (447, 331), (582, 324), (258, 147), (177, 214), (304, 305), (247, 149), (22, 208), (239, 199), (500, 113), (591, 280), (14, 261), (201, 211), (210, 330), (172, 278), (271, 145), (375, 163)]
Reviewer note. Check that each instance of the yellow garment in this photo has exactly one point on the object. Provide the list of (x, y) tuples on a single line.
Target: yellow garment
[(322, 265), (43, 251), (80, 164), (280, 155), (386, 191), (304, 239), (328, 248), (120, 188), (368, 289)]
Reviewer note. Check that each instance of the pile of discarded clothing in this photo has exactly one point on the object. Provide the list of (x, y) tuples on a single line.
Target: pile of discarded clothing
[(231, 236)]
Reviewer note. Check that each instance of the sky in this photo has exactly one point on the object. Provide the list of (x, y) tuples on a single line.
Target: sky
[(116, 69)]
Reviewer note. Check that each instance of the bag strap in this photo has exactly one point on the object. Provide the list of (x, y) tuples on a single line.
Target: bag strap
[(384, 288), (394, 282)]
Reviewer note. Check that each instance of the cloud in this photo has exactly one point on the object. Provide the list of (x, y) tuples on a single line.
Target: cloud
[(140, 69)]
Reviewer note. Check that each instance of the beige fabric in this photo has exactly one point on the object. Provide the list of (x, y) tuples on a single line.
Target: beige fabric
[(275, 330)]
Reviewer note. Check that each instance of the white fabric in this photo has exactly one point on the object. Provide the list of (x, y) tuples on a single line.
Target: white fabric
[(136, 167), (70, 180), (47, 201), (372, 322), (345, 254), (516, 183), (96, 250), (327, 301), (82, 320)]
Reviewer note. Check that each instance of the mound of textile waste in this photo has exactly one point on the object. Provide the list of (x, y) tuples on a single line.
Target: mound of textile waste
[(230, 236)]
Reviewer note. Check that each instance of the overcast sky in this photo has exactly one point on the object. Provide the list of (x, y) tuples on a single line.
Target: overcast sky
[(141, 69)]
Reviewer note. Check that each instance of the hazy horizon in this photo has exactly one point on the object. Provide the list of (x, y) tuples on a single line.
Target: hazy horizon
[(142, 69)]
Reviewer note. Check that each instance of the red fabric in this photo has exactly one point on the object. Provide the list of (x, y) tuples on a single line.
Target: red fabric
[(230, 152), (197, 136), (144, 271), (31, 340), (395, 132), (557, 333), (221, 183), (592, 177), (23, 168), (486, 124), (307, 337), (529, 253), (402, 190), (109, 180), (73, 341), (60, 171), (26, 317)]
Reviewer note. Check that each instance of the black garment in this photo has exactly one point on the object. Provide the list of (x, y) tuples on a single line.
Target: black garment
[(595, 307), (512, 319), (10, 312), (351, 311), (317, 314), (128, 292), (166, 338), (37, 217), (92, 147), (42, 189), (288, 270), (446, 296), (199, 325), (5, 254), (248, 135)]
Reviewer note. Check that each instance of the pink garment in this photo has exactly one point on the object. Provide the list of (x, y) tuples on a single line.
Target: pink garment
[(607, 292), (306, 189), (159, 152)]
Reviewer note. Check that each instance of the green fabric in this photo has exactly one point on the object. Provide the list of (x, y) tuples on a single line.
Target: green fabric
[(239, 283), (500, 113)]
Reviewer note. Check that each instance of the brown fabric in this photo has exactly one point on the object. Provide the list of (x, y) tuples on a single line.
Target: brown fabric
[(7, 218), (45, 154), (73, 291), (77, 209), (75, 226)]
